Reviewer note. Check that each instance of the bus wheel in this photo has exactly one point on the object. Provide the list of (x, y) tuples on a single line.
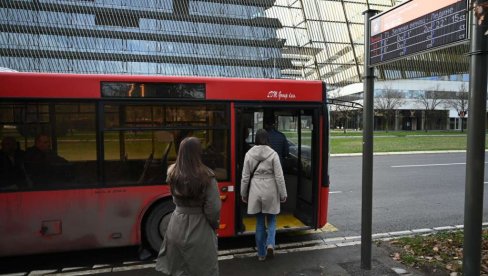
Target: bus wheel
[(157, 224)]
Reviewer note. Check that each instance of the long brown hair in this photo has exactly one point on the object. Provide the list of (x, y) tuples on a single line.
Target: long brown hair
[(189, 177)]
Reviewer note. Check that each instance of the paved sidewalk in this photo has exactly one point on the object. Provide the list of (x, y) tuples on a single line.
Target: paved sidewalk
[(331, 261), (344, 260)]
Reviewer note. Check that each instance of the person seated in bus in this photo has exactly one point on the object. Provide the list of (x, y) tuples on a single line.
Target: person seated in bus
[(43, 164), (12, 173), (277, 140)]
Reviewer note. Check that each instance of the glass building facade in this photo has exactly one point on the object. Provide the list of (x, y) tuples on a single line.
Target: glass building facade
[(297, 39), (169, 37)]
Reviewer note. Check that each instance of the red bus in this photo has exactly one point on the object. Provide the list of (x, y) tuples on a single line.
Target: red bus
[(112, 137)]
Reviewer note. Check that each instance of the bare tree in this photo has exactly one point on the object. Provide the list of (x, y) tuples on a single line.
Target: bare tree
[(387, 101), (459, 102), (430, 100), (343, 110), (345, 114)]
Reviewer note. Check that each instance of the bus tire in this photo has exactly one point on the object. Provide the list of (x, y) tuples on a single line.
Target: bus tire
[(157, 224)]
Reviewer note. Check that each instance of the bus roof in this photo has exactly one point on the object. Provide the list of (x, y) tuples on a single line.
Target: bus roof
[(84, 86)]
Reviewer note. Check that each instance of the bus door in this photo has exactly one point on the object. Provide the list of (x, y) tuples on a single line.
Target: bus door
[(297, 124)]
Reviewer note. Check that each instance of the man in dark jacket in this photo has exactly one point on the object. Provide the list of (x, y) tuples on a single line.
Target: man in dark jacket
[(43, 165), (277, 139), (41, 152)]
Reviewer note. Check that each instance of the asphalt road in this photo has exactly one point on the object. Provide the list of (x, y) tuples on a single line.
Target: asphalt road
[(409, 192)]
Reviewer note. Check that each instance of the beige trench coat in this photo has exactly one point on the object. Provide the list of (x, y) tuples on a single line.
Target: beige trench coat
[(190, 245), (268, 183)]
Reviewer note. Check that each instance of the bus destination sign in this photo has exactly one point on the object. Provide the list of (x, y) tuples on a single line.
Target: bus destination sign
[(417, 26)]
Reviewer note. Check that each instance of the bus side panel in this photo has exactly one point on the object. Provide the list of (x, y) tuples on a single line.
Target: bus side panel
[(227, 211), (50, 221), (324, 173), (264, 90), (227, 190), (41, 86), (324, 203)]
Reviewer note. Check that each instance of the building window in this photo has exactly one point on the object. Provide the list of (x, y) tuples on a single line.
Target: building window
[(110, 19), (181, 7)]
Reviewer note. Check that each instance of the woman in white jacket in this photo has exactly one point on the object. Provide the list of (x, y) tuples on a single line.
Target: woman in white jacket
[(266, 192)]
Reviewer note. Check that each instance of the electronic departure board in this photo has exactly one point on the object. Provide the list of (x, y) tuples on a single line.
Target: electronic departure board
[(417, 26)]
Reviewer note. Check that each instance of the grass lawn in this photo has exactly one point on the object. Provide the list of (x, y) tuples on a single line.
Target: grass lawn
[(355, 133), (392, 141), (400, 141)]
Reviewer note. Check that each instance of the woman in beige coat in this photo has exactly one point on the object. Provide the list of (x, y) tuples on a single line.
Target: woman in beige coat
[(262, 166), (190, 244)]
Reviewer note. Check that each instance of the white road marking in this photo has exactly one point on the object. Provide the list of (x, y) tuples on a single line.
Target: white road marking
[(335, 192), (430, 165)]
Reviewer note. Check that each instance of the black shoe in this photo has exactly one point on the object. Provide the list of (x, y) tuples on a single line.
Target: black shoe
[(270, 252)]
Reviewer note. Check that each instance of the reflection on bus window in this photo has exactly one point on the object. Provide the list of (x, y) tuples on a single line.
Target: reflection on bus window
[(159, 116), (153, 90), (142, 157), (136, 157), (142, 140)]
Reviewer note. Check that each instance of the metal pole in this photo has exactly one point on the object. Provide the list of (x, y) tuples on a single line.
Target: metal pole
[(475, 159), (368, 121)]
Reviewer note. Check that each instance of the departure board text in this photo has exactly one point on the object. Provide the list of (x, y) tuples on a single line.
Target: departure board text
[(427, 32)]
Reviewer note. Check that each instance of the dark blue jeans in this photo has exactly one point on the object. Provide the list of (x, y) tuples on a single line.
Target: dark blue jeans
[(263, 237)]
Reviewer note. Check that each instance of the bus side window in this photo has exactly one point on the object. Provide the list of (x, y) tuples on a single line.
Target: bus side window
[(75, 141), (215, 154), (12, 171), (148, 144), (136, 157), (58, 138)]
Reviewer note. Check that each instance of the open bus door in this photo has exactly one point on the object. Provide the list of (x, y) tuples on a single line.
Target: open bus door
[(300, 126)]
